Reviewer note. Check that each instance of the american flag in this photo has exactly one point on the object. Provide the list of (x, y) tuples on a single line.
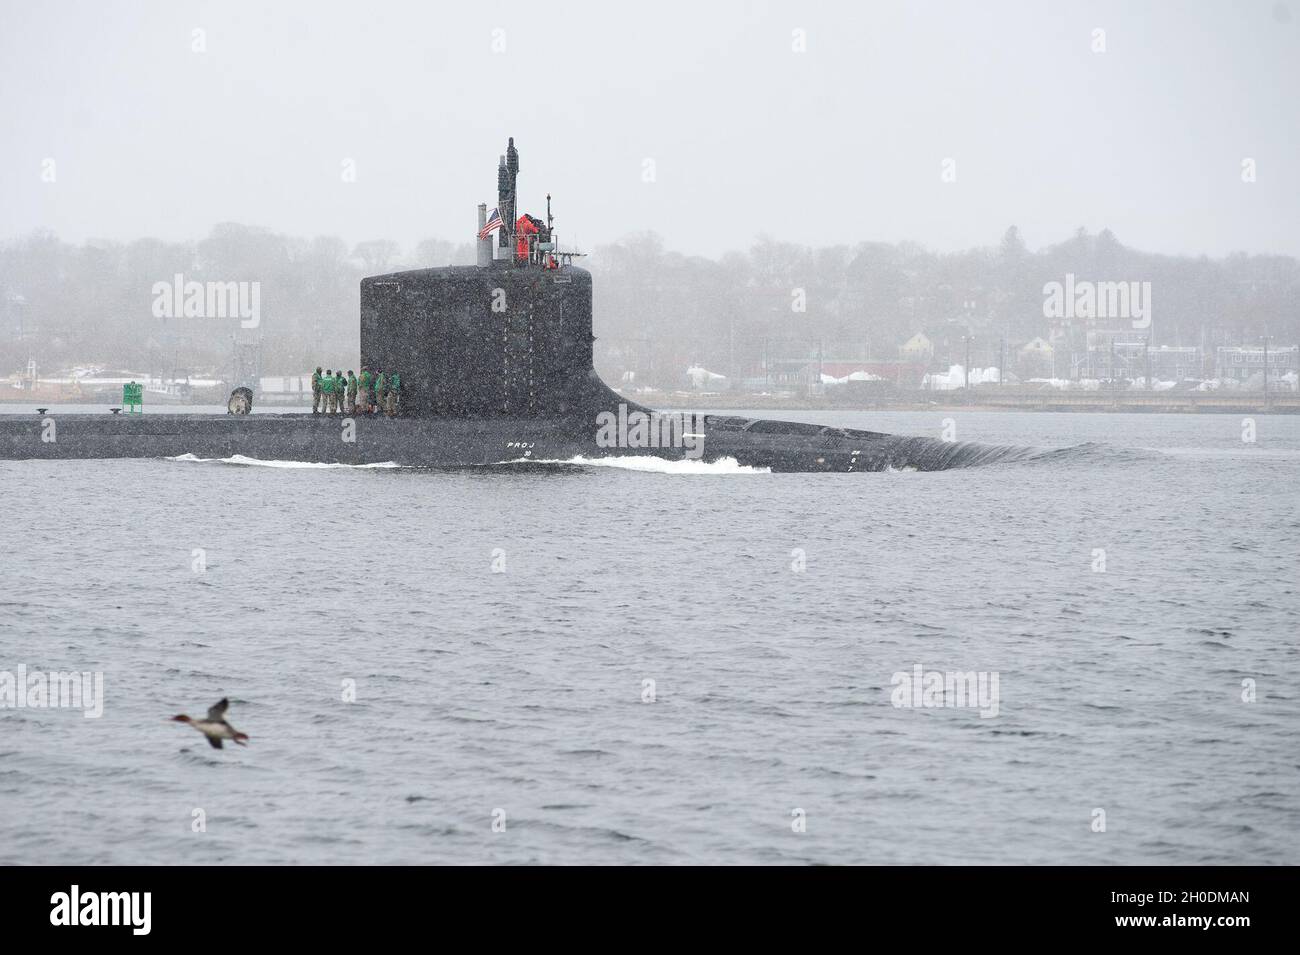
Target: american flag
[(493, 222)]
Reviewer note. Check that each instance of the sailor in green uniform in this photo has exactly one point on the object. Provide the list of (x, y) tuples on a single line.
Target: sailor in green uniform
[(381, 386), (394, 390), (340, 392), (352, 393), (327, 389), (315, 391), (363, 391)]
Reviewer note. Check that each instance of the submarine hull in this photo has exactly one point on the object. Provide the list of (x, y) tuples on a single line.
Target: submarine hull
[(456, 442)]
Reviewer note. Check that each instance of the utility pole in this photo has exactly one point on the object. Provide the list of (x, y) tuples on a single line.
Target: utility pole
[(967, 339), (731, 351), (1264, 339)]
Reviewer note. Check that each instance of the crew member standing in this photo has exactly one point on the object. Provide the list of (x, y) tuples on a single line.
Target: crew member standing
[(340, 392), (352, 392), (394, 392), (315, 391), (327, 390), (524, 227), (363, 391), (381, 384)]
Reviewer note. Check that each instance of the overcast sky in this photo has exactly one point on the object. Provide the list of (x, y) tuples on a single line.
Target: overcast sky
[(840, 143)]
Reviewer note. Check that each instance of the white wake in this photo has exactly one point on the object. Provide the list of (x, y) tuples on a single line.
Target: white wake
[(652, 465), (258, 462)]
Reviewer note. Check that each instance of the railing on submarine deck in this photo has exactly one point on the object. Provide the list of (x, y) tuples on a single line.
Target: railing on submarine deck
[(540, 251)]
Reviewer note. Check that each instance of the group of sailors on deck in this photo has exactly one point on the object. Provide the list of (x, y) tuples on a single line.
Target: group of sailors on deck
[(332, 392)]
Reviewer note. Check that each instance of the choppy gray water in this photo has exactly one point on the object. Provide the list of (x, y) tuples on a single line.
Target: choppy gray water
[(523, 690)]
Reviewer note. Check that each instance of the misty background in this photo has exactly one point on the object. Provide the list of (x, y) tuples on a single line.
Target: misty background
[(908, 165)]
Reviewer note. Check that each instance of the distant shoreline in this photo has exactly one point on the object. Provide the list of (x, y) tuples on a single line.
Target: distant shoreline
[(1077, 402), (1074, 402)]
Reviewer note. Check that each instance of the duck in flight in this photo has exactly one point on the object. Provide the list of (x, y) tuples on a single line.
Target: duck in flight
[(214, 725)]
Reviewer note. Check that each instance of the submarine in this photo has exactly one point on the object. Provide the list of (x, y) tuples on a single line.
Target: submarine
[(496, 367)]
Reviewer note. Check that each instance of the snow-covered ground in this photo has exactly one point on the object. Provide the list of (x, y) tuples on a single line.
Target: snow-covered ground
[(955, 377)]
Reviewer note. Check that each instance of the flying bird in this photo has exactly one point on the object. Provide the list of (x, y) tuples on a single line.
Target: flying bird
[(214, 725)]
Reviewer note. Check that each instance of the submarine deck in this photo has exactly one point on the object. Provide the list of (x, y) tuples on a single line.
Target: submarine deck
[(463, 441)]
